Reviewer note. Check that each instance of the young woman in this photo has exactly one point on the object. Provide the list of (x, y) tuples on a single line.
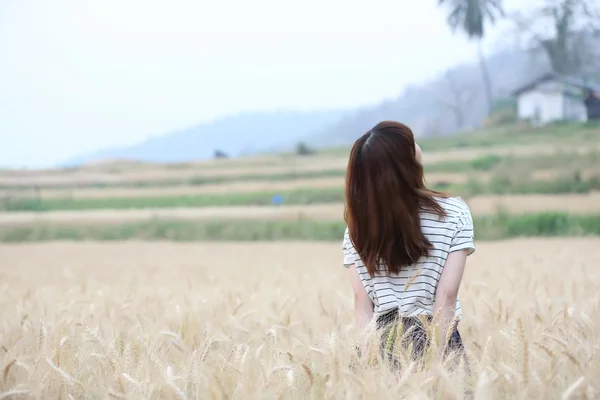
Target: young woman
[(405, 246)]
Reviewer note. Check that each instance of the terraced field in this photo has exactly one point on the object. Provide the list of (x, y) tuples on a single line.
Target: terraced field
[(289, 166), (480, 206), (525, 173)]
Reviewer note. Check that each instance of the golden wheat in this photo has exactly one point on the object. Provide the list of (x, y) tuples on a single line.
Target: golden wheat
[(274, 320)]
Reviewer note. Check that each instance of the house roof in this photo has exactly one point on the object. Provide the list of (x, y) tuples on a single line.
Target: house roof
[(551, 76)]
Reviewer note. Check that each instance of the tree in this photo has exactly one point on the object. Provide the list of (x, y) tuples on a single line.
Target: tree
[(471, 17), (220, 154), (570, 46), (302, 149), (456, 96)]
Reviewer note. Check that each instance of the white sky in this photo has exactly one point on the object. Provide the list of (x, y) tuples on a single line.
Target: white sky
[(76, 75)]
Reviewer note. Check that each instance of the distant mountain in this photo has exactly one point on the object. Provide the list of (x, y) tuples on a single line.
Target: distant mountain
[(245, 133), (451, 102), (454, 101)]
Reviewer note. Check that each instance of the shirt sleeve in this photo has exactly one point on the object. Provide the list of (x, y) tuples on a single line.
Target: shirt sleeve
[(464, 235), (349, 252)]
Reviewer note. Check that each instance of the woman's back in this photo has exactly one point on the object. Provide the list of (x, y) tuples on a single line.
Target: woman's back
[(406, 245), (412, 290)]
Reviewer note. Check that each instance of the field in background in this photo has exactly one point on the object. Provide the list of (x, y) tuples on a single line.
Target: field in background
[(100, 297), (549, 173), (250, 321)]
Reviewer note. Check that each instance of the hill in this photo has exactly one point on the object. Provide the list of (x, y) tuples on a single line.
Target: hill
[(236, 135), (451, 102)]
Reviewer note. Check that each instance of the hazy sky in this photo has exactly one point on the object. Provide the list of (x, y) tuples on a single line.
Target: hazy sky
[(76, 75)]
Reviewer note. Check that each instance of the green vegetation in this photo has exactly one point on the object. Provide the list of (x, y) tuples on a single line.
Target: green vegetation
[(508, 184), (517, 134), (504, 112), (509, 173), (495, 163), (478, 164), (193, 181), (499, 226), (302, 149), (472, 18), (299, 196), (485, 163), (498, 184), (506, 135)]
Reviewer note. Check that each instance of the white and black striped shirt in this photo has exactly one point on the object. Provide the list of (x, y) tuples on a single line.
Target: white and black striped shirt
[(447, 234)]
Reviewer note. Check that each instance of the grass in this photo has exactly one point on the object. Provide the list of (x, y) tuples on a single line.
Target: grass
[(508, 183), (275, 320), (298, 196), (495, 163), (498, 226), (478, 164), (484, 163), (506, 135), (508, 164), (193, 181), (498, 184), (519, 134)]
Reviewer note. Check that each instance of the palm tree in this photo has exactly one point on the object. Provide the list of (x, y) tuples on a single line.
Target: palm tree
[(471, 17)]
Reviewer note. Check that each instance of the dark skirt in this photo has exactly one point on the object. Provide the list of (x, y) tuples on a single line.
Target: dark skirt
[(413, 333)]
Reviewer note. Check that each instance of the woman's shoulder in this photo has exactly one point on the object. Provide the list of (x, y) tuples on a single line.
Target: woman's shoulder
[(454, 206), (346, 241)]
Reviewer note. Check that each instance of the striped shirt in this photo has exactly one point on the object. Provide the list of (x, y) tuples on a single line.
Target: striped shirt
[(447, 234)]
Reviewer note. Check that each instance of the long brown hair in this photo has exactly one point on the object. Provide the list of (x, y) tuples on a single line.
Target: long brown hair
[(385, 192)]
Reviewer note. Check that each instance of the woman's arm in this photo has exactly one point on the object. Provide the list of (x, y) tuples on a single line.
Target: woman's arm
[(444, 307), (363, 306)]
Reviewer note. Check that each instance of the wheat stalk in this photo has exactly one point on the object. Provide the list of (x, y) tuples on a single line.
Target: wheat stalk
[(153, 325)]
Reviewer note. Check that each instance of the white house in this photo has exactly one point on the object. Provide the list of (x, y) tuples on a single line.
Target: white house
[(554, 97)]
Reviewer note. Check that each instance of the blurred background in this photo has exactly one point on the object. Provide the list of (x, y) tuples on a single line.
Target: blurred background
[(233, 120)]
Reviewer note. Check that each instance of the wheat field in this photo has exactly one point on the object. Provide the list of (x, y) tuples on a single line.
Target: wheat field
[(161, 320)]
